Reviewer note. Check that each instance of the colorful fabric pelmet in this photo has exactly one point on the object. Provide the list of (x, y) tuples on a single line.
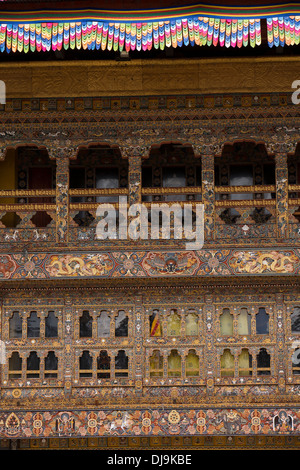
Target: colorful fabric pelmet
[(99, 35)]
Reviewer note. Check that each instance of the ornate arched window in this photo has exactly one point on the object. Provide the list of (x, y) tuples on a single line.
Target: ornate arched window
[(15, 326), (121, 364), (226, 322), (263, 360), (192, 364), (174, 323), (15, 366), (86, 325), (33, 325), (156, 362), (103, 365), (33, 366), (227, 364), (85, 364), (174, 364), (51, 365), (245, 363)]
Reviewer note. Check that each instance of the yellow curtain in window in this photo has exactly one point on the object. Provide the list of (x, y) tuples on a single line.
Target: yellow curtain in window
[(156, 363), (191, 325), (192, 365), (174, 365), (244, 322), (226, 321), (174, 324), (244, 363), (227, 364), (156, 329)]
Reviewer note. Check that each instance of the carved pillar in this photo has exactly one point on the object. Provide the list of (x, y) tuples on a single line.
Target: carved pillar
[(279, 357), (208, 195), (139, 350), (209, 348), (68, 350), (62, 151), (282, 214), (134, 179), (62, 199), (280, 145)]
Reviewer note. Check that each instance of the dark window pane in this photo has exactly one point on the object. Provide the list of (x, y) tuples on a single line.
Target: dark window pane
[(241, 175), (85, 364), (198, 175), (295, 320), (15, 364), (15, 326), (33, 325), (51, 363), (147, 176), (77, 181), (103, 364), (262, 322), (51, 325), (33, 365), (174, 176), (121, 323), (86, 325), (263, 362), (103, 324), (269, 174), (121, 363)]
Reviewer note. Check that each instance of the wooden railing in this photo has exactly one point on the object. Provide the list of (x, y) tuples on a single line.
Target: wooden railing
[(18, 207)]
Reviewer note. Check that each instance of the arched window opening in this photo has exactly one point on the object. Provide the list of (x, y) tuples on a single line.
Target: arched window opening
[(51, 365), (156, 362), (174, 323), (245, 363), (174, 364), (33, 325), (295, 320), (171, 165), (103, 324), (121, 324), (262, 322), (85, 365), (191, 324), (121, 364), (155, 323), (33, 366), (15, 366), (226, 323), (15, 326), (86, 325), (296, 362), (103, 365), (227, 364), (192, 364), (244, 322), (263, 360), (51, 325)]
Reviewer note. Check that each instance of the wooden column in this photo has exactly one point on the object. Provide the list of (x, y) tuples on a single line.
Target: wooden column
[(62, 199), (282, 214), (208, 195), (209, 348), (134, 180), (139, 353)]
